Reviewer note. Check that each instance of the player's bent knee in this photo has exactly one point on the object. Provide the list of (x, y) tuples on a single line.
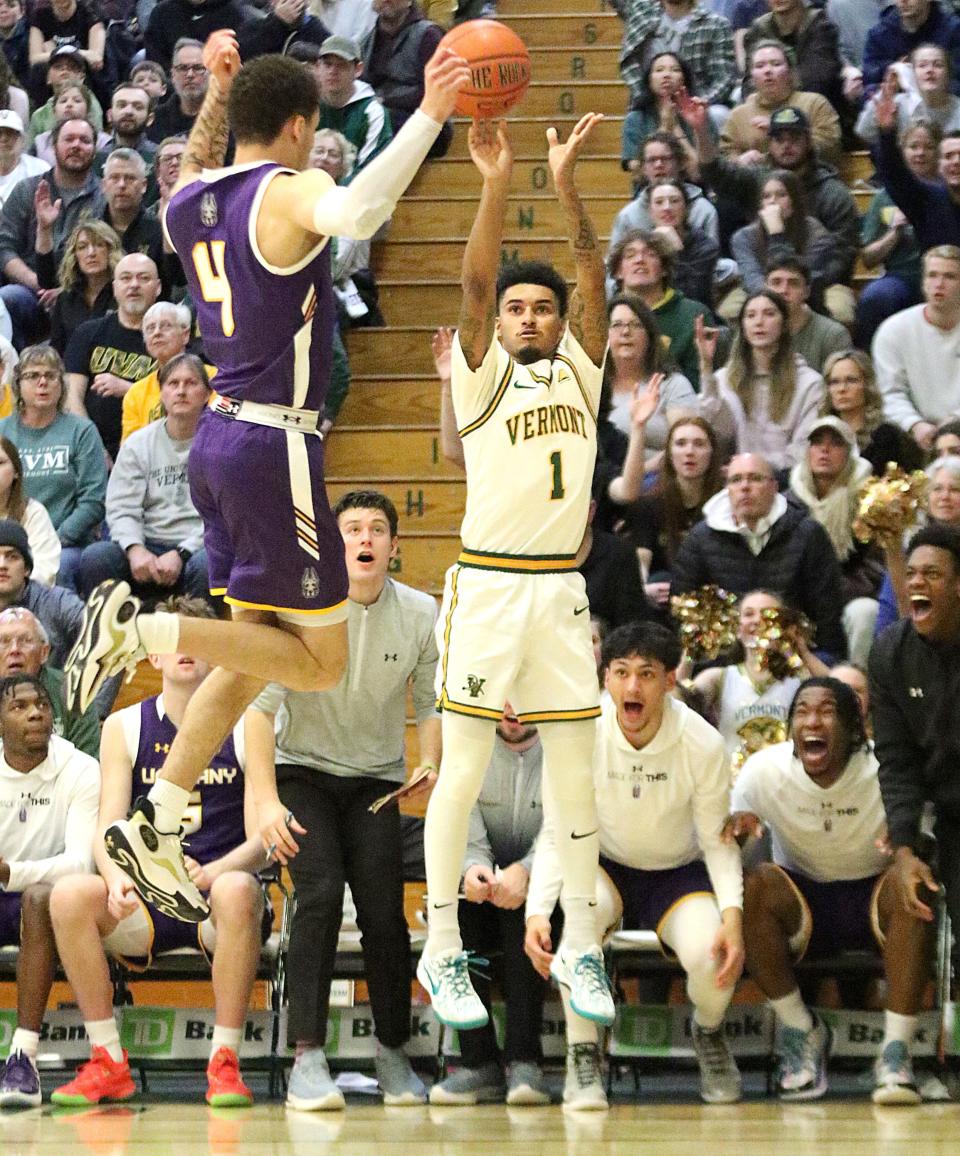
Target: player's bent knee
[(761, 885), (76, 897), (236, 897), (35, 904)]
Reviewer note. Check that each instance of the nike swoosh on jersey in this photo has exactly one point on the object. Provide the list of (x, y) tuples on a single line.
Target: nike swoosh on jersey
[(517, 385), (580, 609)]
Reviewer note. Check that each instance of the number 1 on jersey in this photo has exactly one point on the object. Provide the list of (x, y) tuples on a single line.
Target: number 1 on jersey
[(208, 260), (557, 492)]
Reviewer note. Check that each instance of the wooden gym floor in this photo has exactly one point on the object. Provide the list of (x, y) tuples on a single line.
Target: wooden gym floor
[(163, 1124)]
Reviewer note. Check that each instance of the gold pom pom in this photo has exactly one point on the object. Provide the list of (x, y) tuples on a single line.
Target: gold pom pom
[(777, 640), (708, 621), (889, 506)]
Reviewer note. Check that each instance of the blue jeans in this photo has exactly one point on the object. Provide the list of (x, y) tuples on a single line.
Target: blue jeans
[(879, 300), (27, 319), (105, 560)]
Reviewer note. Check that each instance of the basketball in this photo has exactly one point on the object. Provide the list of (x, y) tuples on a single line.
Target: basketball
[(499, 67)]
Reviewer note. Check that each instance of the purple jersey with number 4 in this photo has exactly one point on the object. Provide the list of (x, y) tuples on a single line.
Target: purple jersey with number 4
[(268, 330)]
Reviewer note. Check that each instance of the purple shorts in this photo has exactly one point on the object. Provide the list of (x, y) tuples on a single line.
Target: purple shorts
[(841, 916), (272, 542), (9, 918), (648, 895), (174, 934)]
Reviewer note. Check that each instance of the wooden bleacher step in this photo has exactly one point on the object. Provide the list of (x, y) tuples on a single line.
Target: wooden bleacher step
[(529, 135), (402, 259), (432, 218), (531, 175)]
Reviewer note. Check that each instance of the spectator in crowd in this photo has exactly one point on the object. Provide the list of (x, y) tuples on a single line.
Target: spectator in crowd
[(746, 135), (156, 534), (827, 482), (124, 186), (815, 337), (167, 170), (64, 467), (131, 109), (287, 22), (663, 865), (72, 102), (695, 253), (85, 278), (152, 78), (70, 191), (635, 356), (394, 57), (188, 74), (659, 521), (15, 40), (17, 506), (354, 19), (12, 97), (98, 916), (828, 888), (852, 395), (947, 440), (790, 147), (326, 767), (943, 509), (611, 571), (174, 20), (917, 351), (655, 111), (660, 157), (166, 333), (689, 29), (889, 240), (814, 40), (106, 355), (504, 825), (904, 26), (748, 701), (15, 164), (854, 19), (66, 66), (765, 394), (930, 100), (59, 610), (785, 229), (642, 264), (932, 207), (50, 793), (353, 283), (24, 649), (66, 21), (751, 539), (348, 104)]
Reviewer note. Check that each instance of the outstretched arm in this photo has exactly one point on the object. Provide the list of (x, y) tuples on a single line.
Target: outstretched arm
[(588, 308), (491, 153)]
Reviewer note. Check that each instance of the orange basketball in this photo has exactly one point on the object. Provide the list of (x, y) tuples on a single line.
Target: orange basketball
[(499, 67)]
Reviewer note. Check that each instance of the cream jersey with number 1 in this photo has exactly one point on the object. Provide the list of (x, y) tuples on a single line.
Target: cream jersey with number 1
[(529, 442)]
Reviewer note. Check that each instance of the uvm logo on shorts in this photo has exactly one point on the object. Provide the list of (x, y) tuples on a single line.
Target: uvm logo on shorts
[(310, 583), (474, 686)]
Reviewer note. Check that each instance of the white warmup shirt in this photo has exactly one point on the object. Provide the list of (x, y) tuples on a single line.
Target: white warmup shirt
[(827, 834), (48, 817), (660, 807)]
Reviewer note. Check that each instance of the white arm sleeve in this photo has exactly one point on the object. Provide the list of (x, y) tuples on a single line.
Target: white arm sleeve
[(360, 208)]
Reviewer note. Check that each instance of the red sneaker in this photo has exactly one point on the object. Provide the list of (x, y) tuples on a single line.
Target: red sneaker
[(225, 1088), (101, 1078)]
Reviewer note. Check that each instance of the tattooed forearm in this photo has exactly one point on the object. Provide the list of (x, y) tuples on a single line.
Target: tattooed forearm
[(207, 143)]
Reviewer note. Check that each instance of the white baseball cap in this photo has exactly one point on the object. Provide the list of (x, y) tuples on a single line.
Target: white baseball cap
[(11, 119)]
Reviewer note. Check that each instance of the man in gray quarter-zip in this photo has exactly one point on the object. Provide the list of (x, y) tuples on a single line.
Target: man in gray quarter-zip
[(335, 752)]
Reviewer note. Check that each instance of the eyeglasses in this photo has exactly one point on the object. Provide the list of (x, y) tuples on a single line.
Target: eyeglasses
[(21, 641), (198, 68), (751, 479), (32, 376), (625, 326)]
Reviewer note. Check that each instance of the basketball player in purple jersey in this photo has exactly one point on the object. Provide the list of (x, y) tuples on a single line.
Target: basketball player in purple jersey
[(252, 239)]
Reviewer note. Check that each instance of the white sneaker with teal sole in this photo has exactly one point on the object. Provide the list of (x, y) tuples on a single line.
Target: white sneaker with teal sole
[(446, 978), (585, 976)]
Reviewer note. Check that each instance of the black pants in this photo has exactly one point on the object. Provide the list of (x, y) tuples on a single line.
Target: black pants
[(345, 844), (497, 934)]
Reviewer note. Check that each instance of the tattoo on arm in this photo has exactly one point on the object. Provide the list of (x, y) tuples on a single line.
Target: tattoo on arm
[(587, 312), (207, 143)]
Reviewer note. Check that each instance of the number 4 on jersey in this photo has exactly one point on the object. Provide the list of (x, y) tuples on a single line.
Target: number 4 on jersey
[(208, 260)]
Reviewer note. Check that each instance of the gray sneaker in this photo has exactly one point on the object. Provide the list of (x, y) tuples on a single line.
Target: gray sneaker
[(719, 1076), (398, 1081), (525, 1085), (802, 1073), (310, 1088), (483, 1085), (583, 1090), (894, 1082)]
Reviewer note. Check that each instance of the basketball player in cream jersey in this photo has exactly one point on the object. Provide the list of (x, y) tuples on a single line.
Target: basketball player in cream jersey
[(515, 623)]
